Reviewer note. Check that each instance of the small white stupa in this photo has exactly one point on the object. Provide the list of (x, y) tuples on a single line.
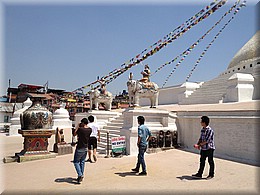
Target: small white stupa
[(15, 120), (61, 118)]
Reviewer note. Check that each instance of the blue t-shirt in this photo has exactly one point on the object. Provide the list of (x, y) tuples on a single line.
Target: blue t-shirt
[(143, 133)]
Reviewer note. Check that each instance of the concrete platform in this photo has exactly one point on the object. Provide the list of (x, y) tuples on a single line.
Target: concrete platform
[(233, 106)]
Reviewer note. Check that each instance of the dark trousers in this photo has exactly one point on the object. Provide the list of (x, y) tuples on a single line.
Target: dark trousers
[(203, 155), (140, 160), (79, 160)]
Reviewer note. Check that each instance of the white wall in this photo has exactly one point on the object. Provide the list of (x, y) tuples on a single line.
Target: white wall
[(236, 133), (173, 94)]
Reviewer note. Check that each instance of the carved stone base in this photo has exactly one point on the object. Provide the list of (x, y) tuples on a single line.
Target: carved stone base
[(35, 145), (62, 149), (36, 141)]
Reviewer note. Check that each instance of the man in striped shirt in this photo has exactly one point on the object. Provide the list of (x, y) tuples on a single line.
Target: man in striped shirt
[(207, 148)]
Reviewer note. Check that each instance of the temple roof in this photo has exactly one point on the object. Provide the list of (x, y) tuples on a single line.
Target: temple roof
[(249, 52)]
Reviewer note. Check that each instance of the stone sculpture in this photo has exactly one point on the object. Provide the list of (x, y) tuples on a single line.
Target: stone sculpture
[(96, 98), (59, 136), (138, 89)]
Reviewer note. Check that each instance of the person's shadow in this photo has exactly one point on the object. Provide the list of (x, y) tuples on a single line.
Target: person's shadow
[(188, 177), (124, 174), (67, 180)]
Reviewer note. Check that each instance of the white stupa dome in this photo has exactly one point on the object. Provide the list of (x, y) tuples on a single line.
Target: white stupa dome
[(248, 53), (28, 102), (61, 113), (61, 119)]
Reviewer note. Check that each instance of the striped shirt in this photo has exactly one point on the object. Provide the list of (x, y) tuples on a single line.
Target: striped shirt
[(207, 135)]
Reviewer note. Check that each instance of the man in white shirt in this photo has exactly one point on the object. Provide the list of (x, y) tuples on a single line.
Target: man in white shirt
[(94, 137)]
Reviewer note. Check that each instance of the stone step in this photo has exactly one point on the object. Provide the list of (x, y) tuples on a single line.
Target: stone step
[(117, 123), (209, 92), (111, 133), (112, 128), (101, 150)]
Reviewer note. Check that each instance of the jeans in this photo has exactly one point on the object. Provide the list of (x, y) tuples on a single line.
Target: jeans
[(203, 155), (140, 160), (79, 160)]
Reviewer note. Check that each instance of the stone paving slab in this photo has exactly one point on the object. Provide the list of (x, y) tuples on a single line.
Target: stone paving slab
[(169, 172)]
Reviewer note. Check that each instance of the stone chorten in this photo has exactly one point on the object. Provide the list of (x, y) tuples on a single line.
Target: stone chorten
[(61, 119)]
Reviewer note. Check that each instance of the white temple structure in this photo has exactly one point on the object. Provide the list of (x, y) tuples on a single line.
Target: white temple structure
[(239, 83), (230, 100)]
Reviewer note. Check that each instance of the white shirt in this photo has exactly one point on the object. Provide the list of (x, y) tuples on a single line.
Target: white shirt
[(94, 127)]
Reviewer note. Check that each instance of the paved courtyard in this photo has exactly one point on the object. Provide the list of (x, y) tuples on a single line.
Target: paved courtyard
[(169, 172)]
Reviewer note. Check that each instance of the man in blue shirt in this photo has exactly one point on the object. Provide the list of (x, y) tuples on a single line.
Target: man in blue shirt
[(144, 135), (207, 148)]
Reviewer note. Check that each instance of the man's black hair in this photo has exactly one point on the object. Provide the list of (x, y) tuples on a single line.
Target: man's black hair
[(91, 118), (140, 120), (84, 121), (205, 119)]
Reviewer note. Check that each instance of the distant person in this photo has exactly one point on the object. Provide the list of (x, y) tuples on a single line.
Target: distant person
[(83, 132), (94, 137), (207, 148), (144, 135)]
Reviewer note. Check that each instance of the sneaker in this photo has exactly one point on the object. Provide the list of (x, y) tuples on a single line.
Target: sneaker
[(79, 179), (209, 177), (89, 160), (143, 173), (95, 158), (197, 175), (135, 170)]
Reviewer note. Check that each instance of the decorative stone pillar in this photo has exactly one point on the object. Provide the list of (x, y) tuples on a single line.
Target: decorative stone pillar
[(240, 88), (36, 129), (256, 75), (155, 120)]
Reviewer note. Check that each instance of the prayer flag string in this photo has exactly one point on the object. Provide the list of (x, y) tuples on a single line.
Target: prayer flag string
[(159, 45), (220, 4), (216, 36), (186, 52)]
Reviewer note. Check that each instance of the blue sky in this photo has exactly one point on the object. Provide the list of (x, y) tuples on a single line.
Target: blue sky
[(70, 43)]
